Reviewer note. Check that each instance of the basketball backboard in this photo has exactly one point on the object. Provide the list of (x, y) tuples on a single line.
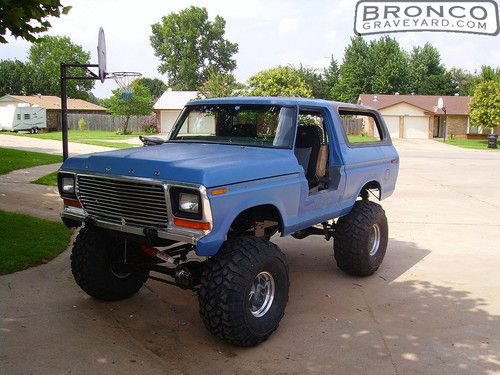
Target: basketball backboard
[(101, 54)]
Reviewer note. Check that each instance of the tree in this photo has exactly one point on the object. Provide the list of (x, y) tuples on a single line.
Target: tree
[(315, 81), (188, 44), (141, 104), (46, 57), (156, 86), (332, 75), (355, 72), (93, 99), (219, 85), (15, 78), (484, 107), (428, 75), (489, 73), (389, 65), (25, 18), (279, 81), (463, 81)]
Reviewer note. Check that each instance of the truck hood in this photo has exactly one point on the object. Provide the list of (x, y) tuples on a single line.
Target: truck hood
[(206, 164)]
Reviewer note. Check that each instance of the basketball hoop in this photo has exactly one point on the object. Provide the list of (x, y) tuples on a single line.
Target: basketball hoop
[(124, 81)]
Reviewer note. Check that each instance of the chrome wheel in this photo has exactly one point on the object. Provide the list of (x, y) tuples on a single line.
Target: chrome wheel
[(374, 239), (262, 294)]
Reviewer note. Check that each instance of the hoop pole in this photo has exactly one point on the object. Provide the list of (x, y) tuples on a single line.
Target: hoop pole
[(64, 99)]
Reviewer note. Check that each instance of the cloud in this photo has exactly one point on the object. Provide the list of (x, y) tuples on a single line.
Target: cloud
[(288, 25)]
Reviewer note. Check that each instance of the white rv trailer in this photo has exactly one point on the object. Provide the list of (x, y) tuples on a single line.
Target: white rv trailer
[(22, 117)]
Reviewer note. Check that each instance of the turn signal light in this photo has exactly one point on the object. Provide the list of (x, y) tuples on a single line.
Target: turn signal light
[(191, 224), (72, 203), (219, 191)]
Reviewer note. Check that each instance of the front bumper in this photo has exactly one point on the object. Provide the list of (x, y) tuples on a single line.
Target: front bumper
[(172, 232)]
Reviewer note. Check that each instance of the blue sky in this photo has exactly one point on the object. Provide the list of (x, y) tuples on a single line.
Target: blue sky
[(269, 33)]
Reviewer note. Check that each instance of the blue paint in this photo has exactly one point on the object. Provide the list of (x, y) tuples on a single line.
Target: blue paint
[(257, 175)]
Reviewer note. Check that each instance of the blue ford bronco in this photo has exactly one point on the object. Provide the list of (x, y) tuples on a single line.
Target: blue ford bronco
[(199, 210)]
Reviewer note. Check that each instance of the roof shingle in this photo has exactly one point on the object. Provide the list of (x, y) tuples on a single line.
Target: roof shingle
[(455, 105), (54, 102)]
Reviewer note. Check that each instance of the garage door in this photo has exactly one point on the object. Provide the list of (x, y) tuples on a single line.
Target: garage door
[(167, 119), (392, 123), (417, 127)]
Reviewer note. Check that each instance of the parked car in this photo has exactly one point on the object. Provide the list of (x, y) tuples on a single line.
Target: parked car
[(203, 206)]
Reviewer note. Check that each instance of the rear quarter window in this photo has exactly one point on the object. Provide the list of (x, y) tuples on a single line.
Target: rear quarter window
[(361, 127)]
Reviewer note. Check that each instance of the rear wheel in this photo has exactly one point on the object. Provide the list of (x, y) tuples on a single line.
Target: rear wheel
[(98, 267), (244, 291), (361, 239)]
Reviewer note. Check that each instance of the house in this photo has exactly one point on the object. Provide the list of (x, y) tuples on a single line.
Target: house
[(169, 106), (417, 116), (46, 109)]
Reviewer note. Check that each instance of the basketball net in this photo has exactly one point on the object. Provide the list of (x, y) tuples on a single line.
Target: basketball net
[(124, 81)]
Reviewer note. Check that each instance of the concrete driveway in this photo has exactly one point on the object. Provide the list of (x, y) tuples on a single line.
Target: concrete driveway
[(48, 146), (433, 307)]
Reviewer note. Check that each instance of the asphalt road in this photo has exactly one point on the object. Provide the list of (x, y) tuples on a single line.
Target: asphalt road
[(433, 307)]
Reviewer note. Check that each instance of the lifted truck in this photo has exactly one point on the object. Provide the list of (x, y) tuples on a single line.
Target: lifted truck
[(202, 206)]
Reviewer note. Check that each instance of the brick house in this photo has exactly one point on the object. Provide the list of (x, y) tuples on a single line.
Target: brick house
[(52, 106), (416, 116)]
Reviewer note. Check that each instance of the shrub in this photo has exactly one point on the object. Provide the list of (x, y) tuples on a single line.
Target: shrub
[(82, 124), (148, 125)]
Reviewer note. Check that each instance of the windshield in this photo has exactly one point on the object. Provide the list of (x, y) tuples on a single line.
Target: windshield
[(248, 125)]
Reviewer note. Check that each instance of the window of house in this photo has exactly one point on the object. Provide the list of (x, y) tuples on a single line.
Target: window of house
[(361, 127)]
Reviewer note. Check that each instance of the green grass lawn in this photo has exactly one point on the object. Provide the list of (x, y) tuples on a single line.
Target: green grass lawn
[(89, 137), (28, 241), (478, 144), (361, 138), (11, 159), (49, 180)]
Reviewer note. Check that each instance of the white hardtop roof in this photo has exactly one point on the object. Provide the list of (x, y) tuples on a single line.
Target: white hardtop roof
[(175, 99)]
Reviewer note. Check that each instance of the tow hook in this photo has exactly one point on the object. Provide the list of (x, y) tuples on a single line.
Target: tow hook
[(154, 252)]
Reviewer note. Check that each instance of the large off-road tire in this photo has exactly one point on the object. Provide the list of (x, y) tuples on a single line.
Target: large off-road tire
[(97, 266), (244, 291), (360, 239)]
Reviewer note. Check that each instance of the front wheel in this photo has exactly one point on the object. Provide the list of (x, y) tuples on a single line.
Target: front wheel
[(244, 291), (98, 267), (360, 239)]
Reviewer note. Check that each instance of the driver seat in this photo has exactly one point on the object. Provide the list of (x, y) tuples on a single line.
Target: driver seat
[(307, 147)]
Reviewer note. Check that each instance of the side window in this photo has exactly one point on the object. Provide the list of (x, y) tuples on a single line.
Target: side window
[(361, 127), (26, 116), (19, 116), (313, 118)]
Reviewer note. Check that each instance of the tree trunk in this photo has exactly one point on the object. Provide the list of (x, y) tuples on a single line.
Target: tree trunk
[(125, 124)]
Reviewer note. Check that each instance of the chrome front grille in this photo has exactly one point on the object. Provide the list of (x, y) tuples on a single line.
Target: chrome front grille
[(125, 202)]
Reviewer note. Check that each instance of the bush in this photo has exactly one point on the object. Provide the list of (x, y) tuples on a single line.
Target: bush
[(148, 125), (82, 124)]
